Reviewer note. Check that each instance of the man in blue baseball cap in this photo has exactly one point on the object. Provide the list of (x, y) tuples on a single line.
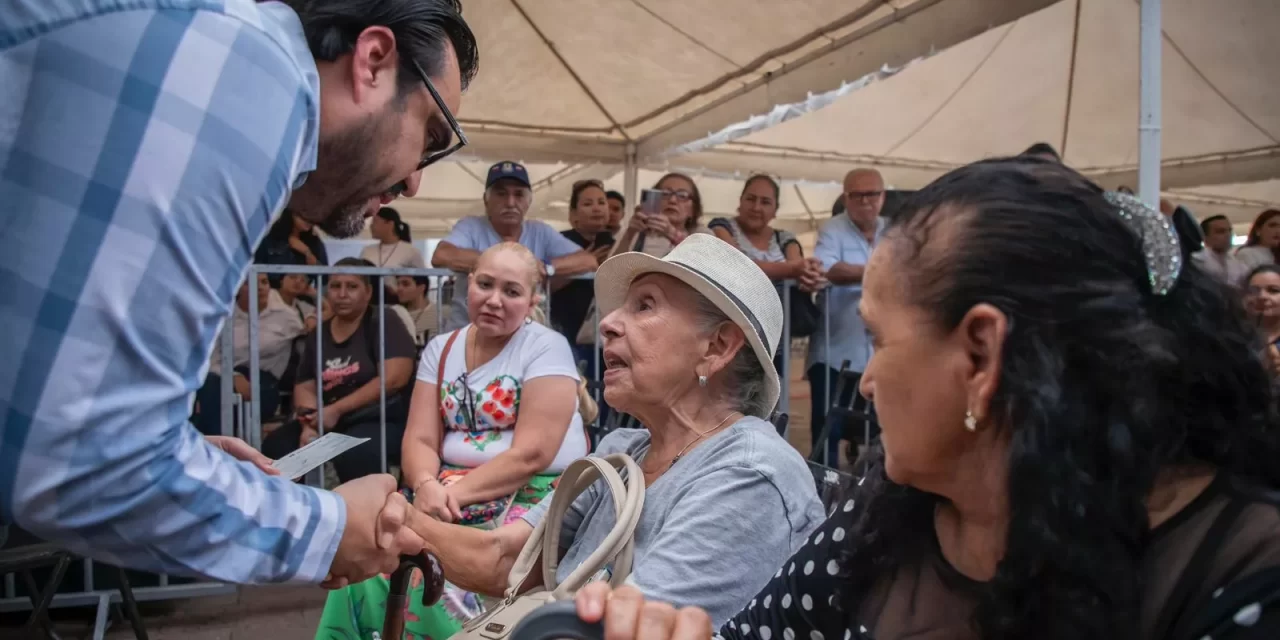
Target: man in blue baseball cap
[(507, 196)]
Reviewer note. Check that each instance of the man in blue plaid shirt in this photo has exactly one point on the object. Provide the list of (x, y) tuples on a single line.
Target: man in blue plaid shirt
[(145, 148)]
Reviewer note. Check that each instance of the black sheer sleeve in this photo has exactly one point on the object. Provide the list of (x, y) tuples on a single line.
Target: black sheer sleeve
[(799, 602), (1248, 609)]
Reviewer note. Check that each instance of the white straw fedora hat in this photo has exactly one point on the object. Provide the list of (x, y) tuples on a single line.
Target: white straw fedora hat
[(722, 274)]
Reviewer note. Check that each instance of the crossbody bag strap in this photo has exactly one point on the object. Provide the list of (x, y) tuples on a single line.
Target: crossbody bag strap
[(444, 357)]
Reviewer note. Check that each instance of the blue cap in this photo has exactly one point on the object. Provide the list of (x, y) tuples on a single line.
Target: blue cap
[(507, 169)]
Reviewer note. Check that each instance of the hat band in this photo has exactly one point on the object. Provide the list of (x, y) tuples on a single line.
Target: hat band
[(746, 311)]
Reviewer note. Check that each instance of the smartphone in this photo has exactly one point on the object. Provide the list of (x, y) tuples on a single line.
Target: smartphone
[(650, 202)]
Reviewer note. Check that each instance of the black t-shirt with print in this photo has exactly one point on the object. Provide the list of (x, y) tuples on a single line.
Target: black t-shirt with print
[(352, 363), (569, 305)]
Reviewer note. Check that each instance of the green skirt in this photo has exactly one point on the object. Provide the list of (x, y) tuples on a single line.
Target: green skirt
[(357, 612)]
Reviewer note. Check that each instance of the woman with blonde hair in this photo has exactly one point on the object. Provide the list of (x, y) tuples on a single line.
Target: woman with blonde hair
[(493, 422)]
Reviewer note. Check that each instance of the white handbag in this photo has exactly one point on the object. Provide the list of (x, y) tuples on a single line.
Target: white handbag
[(618, 548)]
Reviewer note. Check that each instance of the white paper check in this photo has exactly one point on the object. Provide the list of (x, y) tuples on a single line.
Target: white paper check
[(320, 451)]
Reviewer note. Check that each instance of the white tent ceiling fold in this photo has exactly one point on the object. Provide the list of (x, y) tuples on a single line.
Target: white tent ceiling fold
[(580, 80), (1068, 75)]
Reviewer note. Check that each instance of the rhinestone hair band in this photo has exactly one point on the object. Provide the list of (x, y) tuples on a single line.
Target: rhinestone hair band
[(1160, 246)]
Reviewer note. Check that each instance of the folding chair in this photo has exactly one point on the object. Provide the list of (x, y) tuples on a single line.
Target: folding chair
[(24, 559), (854, 412)]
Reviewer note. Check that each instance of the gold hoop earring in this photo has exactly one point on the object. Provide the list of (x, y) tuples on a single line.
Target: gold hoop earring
[(970, 422)]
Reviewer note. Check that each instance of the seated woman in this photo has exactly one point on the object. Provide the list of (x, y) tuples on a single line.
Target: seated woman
[(776, 252), (688, 341), (352, 399), (1262, 300), (493, 422), (1079, 438), (277, 329)]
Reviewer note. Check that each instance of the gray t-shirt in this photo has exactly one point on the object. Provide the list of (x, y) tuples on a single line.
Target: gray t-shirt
[(477, 234), (715, 527)]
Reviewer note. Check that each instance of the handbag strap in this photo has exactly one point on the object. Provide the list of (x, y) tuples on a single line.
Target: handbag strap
[(444, 357), (618, 545)]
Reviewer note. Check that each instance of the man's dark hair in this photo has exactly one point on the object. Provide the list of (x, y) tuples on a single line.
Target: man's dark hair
[(420, 27), (1042, 149), (614, 195), (1204, 224)]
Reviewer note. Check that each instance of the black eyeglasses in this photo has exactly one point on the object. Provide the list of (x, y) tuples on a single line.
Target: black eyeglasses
[(432, 157), (863, 195), (679, 195)]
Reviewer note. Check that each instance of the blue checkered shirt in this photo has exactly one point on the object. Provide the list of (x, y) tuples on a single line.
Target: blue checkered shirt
[(145, 147)]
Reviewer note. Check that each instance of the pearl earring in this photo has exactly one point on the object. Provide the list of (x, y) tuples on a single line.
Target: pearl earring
[(970, 422), (702, 381)]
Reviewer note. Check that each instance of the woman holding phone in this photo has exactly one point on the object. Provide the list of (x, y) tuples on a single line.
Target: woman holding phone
[(665, 219)]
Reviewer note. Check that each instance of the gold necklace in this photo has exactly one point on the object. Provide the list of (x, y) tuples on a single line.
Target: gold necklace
[(700, 436)]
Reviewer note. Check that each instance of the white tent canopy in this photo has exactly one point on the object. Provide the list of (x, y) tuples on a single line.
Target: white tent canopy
[(589, 80), (1067, 75)]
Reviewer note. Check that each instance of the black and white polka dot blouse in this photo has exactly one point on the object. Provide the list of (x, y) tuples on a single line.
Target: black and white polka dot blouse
[(1211, 572)]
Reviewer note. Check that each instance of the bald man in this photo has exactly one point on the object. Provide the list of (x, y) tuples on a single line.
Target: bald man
[(844, 245)]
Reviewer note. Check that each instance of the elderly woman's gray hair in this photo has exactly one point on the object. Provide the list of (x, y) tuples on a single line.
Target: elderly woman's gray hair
[(744, 377)]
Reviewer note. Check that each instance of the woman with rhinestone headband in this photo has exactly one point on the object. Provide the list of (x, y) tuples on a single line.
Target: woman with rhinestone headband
[(1079, 438)]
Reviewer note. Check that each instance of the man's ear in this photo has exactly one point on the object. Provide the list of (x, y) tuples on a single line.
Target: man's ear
[(374, 63)]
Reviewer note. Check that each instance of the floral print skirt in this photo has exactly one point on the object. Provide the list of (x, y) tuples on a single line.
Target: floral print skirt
[(357, 611)]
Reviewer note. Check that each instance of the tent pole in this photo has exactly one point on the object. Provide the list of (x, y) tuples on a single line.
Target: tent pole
[(630, 180), (1149, 103)]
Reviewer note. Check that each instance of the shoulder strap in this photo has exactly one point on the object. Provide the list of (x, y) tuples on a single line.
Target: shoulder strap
[(444, 357)]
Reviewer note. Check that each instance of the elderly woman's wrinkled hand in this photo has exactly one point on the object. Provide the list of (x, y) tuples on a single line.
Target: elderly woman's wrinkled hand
[(627, 615)]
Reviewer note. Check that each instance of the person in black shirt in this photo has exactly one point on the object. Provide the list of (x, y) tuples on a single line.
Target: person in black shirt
[(1079, 438), (349, 380), (571, 299)]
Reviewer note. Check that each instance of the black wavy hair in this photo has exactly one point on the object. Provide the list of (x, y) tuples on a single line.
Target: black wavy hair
[(1103, 385), (401, 227), (421, 28)]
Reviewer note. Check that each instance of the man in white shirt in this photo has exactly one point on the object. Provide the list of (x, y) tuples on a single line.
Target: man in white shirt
[(1216, 256), (507, 196)]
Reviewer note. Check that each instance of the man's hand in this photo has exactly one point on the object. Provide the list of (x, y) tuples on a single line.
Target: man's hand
[(240, 450), (377, 533)]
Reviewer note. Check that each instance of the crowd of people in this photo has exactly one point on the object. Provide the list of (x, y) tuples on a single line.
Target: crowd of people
[(1077, 409)]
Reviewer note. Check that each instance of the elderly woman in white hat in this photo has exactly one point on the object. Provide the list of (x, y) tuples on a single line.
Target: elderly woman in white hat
[(688, 345)]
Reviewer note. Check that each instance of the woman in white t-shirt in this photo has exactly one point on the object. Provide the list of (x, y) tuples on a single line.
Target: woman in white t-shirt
[(494, 418), (394, 249)]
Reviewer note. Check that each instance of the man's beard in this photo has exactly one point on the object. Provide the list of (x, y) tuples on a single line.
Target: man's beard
[(336, 195)]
